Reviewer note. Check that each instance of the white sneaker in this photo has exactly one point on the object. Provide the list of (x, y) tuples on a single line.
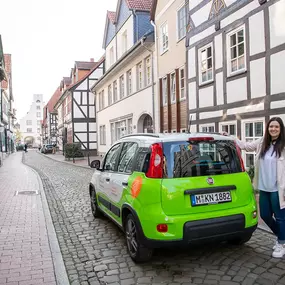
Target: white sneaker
[(279, 251)]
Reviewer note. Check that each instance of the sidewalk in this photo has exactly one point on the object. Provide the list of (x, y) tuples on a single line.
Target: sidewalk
[(82, 162), (29, 252)]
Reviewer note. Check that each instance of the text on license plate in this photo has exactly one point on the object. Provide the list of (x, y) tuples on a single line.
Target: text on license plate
[(211, 198)]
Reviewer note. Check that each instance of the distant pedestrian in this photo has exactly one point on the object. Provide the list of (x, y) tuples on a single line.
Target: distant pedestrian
[(53, 148), (25, 147)]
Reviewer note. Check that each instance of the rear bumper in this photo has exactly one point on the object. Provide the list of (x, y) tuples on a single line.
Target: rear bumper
[(204, 231)]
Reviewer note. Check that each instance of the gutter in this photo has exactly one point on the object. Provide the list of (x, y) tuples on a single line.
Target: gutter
[(133, 48)]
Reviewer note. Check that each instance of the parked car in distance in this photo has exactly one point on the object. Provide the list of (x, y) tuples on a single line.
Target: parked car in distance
[(46, 148), (174, 189)]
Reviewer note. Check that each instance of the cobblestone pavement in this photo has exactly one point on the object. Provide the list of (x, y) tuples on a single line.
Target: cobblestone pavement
[(25, 252), (94, 251)]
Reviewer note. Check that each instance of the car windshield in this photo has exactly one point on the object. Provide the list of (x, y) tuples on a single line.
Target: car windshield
[(200, 158), (49, 146)]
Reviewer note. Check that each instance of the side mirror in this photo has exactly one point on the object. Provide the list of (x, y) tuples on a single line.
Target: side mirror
[(95, 164)]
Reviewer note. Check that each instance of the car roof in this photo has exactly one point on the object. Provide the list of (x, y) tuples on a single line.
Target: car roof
[(167, 137)]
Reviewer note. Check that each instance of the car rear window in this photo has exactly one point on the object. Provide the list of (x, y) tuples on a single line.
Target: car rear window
[(200, 158)]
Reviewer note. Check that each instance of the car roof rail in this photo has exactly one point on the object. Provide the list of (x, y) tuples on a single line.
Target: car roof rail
[(141, 135)]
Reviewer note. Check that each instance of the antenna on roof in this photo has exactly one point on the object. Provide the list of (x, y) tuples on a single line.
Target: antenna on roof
[(189, 125)]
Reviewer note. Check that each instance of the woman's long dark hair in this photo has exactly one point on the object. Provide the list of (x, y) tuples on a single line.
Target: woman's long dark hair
[(280, 142)]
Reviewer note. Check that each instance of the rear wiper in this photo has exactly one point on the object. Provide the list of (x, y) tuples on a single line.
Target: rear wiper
[(218, 170)]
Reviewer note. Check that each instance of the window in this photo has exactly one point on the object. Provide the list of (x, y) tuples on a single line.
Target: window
[(121, 129), (110, 95), (230, 129), (102, 135), (111, 56), (148, 71), (38, 107), (111, 158), (38, 130), (182, 84), (236, 51), (164, 90), (139, 76), (130, 126), (101, 100), (115, 91), (127, 157), (38, 114), (206, 64), (122, 86), (124, 42), (29, 130), (200, 158), (38, 123), (164, 38), (252, 132), (173, 87), (130, 88), (181, 22), (208, 129), (29, 122)]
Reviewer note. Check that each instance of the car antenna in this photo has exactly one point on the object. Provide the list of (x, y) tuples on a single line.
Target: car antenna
[(189, 125)]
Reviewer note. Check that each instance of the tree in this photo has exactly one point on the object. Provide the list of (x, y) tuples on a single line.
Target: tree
[(18, 136)]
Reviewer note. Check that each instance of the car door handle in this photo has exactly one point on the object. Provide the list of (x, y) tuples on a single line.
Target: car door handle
[(108, 179), (125, 183)]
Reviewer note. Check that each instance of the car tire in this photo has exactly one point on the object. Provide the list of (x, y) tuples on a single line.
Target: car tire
[(137, 251), (94, 205), (241, 240)]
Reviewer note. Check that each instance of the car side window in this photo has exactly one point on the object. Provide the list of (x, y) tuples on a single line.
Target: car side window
[(127, 156), (111, 158)]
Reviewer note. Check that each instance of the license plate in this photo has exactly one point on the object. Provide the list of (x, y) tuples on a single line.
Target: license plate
[(211, 198)]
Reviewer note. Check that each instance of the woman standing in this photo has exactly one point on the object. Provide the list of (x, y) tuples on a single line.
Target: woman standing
[(269, 178)]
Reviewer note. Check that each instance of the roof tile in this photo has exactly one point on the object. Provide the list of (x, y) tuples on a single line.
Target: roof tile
[(142, 5)]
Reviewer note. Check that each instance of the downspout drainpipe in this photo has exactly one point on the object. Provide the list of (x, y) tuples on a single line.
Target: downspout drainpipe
[(153, 93)]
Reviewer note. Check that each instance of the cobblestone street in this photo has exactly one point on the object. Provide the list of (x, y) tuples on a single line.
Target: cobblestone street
[(94, 251)]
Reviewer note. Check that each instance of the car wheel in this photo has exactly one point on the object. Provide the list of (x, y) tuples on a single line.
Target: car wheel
[(241, 240), (137, 251), (94, 205)]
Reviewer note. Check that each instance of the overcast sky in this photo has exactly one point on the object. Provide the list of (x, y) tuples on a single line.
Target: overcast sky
[(45, 38)]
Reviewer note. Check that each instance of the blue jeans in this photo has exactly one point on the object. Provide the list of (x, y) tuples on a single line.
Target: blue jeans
[(271, 214)]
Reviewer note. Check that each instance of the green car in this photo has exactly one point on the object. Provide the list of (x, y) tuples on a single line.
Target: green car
[(165, 190)]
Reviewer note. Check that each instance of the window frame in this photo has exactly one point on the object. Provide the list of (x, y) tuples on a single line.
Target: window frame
[(164, 38), (180, 84), (178, 22), (140, 76), (229, 59), (173, 89), (115, 91), (129, 82), (122, 86), (110, 95), (201, 82), (244, 137), (207, 126), (102, 135), (228, 123), (164, 94), (148, 72)]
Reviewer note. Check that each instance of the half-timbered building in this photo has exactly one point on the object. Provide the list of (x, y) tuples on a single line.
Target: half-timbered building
[(125, 94), (236, 59), (76, 107)]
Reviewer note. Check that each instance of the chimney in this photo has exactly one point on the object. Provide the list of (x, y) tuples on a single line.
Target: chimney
[(92, 59)]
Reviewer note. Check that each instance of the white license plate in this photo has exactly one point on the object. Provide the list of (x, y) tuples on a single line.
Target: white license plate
[(211, 198)]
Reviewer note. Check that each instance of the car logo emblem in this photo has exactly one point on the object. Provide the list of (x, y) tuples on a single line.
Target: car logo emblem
[(210, 180)]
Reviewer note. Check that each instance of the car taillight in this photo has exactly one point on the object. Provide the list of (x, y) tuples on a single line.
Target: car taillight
[(240, 157), (162, 228), (155, 169)]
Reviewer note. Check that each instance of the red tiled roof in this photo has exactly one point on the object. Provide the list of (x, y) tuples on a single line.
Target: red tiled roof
[(53, 100), (86, 65), (142, 5), (111, 16)]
